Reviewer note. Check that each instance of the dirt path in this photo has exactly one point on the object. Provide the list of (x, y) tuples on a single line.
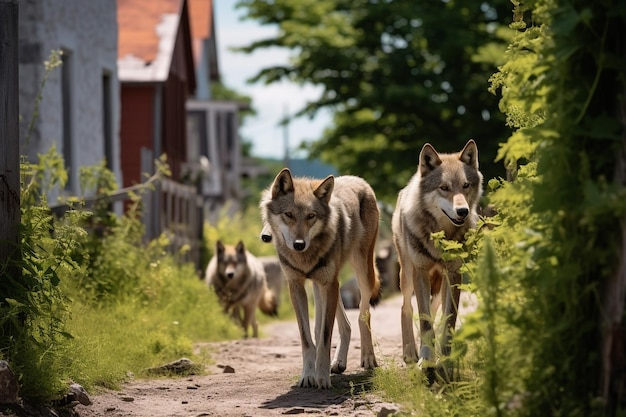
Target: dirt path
[(265, 372)]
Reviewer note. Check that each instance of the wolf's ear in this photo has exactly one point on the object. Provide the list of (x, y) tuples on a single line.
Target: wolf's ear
[(283, 183), (241, 248), (219, 247), (469, 154), (429, 159), (325, 189)]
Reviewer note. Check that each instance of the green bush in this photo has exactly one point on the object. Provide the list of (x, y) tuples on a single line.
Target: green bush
[(545, 269), (94, 302)]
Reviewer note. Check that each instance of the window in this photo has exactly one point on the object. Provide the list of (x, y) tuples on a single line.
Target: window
[(107, 137), (66, 110)]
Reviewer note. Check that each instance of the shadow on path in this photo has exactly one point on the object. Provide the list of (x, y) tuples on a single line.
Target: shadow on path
[(344, 387)]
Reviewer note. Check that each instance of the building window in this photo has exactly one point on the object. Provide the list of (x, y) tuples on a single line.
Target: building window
[(66, 109), (106, 120)]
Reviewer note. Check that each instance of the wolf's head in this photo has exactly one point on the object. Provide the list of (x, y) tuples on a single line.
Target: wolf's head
[(296, 209), (451, 184), (231, 260)]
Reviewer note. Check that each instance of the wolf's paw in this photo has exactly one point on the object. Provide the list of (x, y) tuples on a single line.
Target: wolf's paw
[(410, 355), (307, 381), (368, 361), (429, 370), (323, 382), (338, 367)]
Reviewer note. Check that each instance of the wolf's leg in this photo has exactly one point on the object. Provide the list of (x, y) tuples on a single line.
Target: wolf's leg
[(249, 319), (340, 361), (235, 314), (409, 351), (317, 299), (298, 296), (364, 271), (329, 295), (421, 283), (450, 298), (450, 294)]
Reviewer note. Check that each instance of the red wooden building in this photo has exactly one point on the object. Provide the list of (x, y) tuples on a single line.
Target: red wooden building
[(157, 76), (156, 72)]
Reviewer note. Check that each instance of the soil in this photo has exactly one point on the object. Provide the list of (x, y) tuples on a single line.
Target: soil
[(257, 377)]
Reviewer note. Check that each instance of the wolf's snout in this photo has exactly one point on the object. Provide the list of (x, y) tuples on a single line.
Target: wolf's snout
[(230, 275), (462, 212), (299, 245), (267, 238)]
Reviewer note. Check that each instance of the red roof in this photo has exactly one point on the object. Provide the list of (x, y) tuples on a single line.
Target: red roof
[(137, 26), (201, 17)]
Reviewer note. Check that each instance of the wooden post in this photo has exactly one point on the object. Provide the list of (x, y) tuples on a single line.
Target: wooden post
[(9, 137)]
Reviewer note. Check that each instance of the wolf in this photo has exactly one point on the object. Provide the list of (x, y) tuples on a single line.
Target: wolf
[(442, 195), (274, 275), (239, 280), (316, 225)]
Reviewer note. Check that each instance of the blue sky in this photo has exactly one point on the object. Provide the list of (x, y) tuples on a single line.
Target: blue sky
[(271, 102)]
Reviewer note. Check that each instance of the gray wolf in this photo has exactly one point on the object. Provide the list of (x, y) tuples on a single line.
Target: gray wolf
[(239, 281), (316, 225), (274, 275), (442, 195), (350, 294)]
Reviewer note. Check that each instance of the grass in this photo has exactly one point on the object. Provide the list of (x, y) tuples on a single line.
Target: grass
[(130, 335)]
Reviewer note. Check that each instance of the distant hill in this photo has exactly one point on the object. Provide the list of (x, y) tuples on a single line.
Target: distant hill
[(307, 168)]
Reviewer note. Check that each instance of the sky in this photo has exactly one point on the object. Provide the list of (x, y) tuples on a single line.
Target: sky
[(271, 102)]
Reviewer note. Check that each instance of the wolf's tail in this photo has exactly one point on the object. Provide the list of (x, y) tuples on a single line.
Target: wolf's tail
[(268, 303), (377, 293)]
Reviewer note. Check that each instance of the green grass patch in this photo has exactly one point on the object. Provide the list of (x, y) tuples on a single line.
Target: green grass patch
[(112, 340)]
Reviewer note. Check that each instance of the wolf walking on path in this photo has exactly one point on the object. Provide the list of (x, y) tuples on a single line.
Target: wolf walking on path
[(442, 195), (240, 283), (316, 226)]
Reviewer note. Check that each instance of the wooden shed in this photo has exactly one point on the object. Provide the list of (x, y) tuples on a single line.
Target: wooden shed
[(157, 76)]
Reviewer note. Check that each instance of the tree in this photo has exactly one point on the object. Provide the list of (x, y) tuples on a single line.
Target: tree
[(397, 74)]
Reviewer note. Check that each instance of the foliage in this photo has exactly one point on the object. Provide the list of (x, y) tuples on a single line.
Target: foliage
[(557, 90), (89, 267), (396, 75), (33, 309), (156, 323), (542, 270)]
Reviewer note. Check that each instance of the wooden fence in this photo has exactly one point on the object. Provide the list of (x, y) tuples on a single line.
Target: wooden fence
[(181, 219), (168, 207)]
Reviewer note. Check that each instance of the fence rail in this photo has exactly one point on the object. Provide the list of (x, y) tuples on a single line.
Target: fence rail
[(181, 218), (170, 207)]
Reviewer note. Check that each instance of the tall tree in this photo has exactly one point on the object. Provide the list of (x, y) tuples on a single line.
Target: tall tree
[(397, 74)]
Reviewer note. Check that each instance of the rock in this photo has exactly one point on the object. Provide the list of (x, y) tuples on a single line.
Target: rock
[(78, 393), (386, 412), (9, 387), (182, 366), (226, 369)]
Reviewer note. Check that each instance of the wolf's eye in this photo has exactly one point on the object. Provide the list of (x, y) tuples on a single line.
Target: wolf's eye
[(444, 188), (311, 216), (466, 185), (289, 214)]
